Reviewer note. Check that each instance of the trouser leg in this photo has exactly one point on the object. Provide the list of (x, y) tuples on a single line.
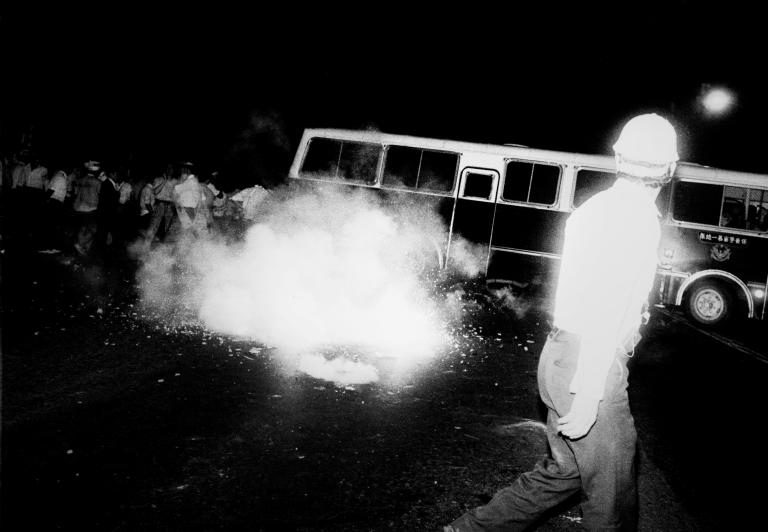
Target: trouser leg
[(606, 455), (606, 458), (157, 218), (86, 231), (552, 481)]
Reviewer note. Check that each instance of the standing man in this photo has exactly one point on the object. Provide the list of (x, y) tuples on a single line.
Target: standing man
[(55, 211), (85, 204), (607, 271), (108, 209), (189, 198), (163, 209), (147, 207)]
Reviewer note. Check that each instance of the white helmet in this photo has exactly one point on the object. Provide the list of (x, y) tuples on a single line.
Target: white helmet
[(647, 147)]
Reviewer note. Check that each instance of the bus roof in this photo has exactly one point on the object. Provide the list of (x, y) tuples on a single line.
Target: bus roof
[(685, 170)]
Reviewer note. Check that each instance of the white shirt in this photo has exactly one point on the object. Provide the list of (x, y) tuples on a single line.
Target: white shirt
[(251, 198), (37, 178), (608, 267), (125, 190), (146, 199), (59, 184), (189, 193), (19, 175)]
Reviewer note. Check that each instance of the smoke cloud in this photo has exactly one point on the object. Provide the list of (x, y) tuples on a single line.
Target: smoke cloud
[(334, 280)]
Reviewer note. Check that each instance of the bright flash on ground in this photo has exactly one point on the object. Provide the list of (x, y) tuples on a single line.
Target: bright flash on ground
[(331, 280), (717, 101)]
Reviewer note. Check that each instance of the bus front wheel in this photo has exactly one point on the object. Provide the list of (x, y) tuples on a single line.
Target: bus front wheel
[(709, 303)]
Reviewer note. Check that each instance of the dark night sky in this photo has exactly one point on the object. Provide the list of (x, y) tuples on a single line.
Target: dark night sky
[(236, 88)]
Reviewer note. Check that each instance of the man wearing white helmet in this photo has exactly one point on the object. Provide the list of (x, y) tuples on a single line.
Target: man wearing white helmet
[(607, 271)]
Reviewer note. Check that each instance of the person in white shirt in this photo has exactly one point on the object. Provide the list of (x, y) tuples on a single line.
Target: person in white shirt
[(607, 270), (20, 172), (37, 179), (251, 199), (55, 213), (147, 198), (190, 203), (163, 211), (33, 201), (87, 189)]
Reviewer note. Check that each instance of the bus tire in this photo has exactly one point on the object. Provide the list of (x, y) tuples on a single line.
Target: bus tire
[(710, 303)]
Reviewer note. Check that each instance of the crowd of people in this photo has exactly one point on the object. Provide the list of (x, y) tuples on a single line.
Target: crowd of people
[(97, 208)]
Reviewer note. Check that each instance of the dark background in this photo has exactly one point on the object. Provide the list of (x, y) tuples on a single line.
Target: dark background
[(233, 89)]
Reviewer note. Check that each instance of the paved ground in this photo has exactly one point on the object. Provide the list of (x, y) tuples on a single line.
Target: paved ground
[(116, 420)]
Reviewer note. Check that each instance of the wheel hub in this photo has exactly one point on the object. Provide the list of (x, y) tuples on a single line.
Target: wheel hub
[(709, 304)]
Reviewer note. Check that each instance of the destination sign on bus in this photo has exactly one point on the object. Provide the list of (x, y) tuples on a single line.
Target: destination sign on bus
[(722, 239)]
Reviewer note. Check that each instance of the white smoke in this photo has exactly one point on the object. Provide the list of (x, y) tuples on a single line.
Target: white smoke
[(334, 280), (520, 305)]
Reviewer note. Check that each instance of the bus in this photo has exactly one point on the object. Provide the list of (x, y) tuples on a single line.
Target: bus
[(513, 201)]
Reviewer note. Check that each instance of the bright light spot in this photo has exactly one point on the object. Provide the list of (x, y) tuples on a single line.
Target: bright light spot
[(759, 294), (717, 101)]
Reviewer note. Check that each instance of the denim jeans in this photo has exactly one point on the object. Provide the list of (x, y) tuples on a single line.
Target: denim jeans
[(600, 464)]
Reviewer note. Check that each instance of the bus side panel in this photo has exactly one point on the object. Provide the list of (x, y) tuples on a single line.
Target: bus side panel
[(530, 229), (532, 275), (745, 256)]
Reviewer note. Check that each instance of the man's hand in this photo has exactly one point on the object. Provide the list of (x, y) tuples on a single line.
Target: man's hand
[(580, 419)]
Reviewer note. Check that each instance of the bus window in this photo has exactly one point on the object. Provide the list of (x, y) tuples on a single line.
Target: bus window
[(438, 171), (350, 161), (734, 208), (477, 185), (322, 158), (590, 182), (757, 212), (420, 169), (531, 182), (359, 162), (697, 203)]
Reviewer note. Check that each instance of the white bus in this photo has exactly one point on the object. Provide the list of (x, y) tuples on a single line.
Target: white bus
[(514, 201)]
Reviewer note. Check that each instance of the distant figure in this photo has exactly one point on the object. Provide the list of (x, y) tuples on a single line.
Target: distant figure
[(147, 206), (214, 198), (761, 223), (607, 270), (190, 203), (251, 199), (163, 212), (108, 210), (33, 200), (126, 209), (733, 216), (20, 171), (85, 204), (37, 179), (55, 227)]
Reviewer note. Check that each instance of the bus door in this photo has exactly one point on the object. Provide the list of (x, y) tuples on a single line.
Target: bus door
[(528, 227), (474, 209)]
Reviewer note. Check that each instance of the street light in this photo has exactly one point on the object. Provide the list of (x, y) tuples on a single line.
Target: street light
[(716, 101)]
